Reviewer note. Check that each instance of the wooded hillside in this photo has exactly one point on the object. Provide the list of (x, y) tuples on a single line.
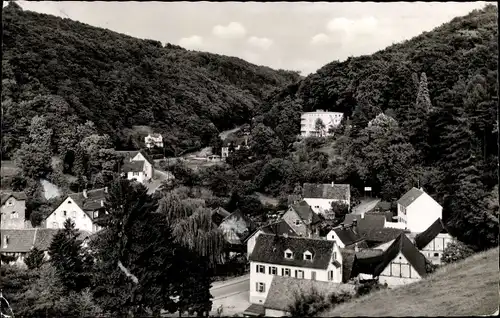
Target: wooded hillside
[(117, 82)]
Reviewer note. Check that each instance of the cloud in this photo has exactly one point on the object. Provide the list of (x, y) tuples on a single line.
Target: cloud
[(353, 26), (233, 30), (194, 41), (320, 39), (263, 43)]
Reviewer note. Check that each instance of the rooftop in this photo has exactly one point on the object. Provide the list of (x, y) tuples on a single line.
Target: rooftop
[(133, 166), (410, 196), (22, 240), (271, 249), (424, 238), (20, 196), (306, 213), (326, 191)]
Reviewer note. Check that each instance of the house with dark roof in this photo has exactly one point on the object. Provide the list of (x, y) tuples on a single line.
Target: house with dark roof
[(345, 236), (418, 210), (19, 242), (283, 290), (433, 241), (299, 257), (237, 227), (372, 228), (321, 196), (277, 228), (218, 215), (84, 208), (13, 210), (401, 264), (302, 219), (137, 165)]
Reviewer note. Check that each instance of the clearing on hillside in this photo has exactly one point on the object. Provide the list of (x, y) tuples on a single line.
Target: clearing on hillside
[(467, 288)]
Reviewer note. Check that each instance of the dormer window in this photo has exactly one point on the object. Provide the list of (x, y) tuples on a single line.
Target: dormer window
[(308, 256), (288, 254), (297, 222)]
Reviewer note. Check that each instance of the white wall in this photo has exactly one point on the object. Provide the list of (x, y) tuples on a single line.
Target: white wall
[(139, 177), (320, 206), (395, 225), (434, 250), (255, 277), (399, 272), (332, 236), (251, 242), (57, 218), (422, 213), (148, 167)]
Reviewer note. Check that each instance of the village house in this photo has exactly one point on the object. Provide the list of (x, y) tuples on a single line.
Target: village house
[(418, 210), (321, 196), (433, 241), (154, 140), (345, 236), (302, 219), (277, 228), (400, 264), (84, 208), (234, 145), (237, 227), (283, 290), (137, 166), (13, 210), (302, 258), (18, 243), (372, 228), (308, 122)]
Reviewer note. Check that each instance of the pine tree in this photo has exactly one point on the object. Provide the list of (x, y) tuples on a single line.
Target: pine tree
[(69, 258), (34, 259), (79, 163)]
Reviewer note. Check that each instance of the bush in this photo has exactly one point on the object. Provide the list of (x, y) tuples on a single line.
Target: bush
[(308, 305), (456, 251), (368, 287)]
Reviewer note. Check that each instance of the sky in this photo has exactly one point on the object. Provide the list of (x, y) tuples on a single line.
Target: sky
[(299, 36)]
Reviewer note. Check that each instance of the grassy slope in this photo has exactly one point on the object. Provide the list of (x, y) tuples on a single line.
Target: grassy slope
[(466, 288)]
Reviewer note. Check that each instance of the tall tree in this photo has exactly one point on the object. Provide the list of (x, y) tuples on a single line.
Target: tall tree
[(71, 261), (319, 126), (34, 260)]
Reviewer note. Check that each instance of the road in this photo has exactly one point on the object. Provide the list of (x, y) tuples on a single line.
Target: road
[(365, 205), (230, 287), (223, 135)]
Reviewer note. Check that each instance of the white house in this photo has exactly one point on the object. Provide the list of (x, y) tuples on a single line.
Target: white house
[(321, 196), (278, 228), (302, 258), (433, 241), (238, 144), (137, 166), (401, 264), (13, 210), (83, 208), (308, 122), (418, 210), (154, 140), (345, 236)]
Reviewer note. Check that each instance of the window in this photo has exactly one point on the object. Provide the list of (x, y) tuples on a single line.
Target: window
[(307, 256), (299, 274), (261, 269), (285, 272), (288, 255), (297, 222), (436, 254), (14, 215), (334, 255), (69, 202), (10, 202), (54, 225), (330, 275), (260, 287), (273, 270), (64, 213), (135, 173), (313, 275), (317, 206)]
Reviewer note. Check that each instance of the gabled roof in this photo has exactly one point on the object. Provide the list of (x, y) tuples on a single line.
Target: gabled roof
[(410, 196), (277, 228), (424, 238), (271, 249), (306, 213), (22, 240), (129, 154), (371, 227), (237, 227), (88, 205), (283, 290), (133, 166), (326, 191), (20, 196), (347, 235), (404, 246)]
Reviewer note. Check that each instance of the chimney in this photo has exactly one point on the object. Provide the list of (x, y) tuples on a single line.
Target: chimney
[(356, 248), (85, 193), (102, 202), (105, 189)]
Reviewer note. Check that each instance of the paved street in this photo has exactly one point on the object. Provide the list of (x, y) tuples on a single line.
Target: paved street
[(364, 206)]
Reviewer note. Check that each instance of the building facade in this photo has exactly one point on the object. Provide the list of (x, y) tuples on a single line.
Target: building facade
[(418, 210), (13, 210), (308, 121), (154, 140), (320, 196)]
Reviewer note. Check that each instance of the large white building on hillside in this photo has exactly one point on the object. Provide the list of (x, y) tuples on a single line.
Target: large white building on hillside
[(308, 121), (418, 210)]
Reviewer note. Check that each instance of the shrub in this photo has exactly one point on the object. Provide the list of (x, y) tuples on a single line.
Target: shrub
[(368, 287), (456, 251)]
